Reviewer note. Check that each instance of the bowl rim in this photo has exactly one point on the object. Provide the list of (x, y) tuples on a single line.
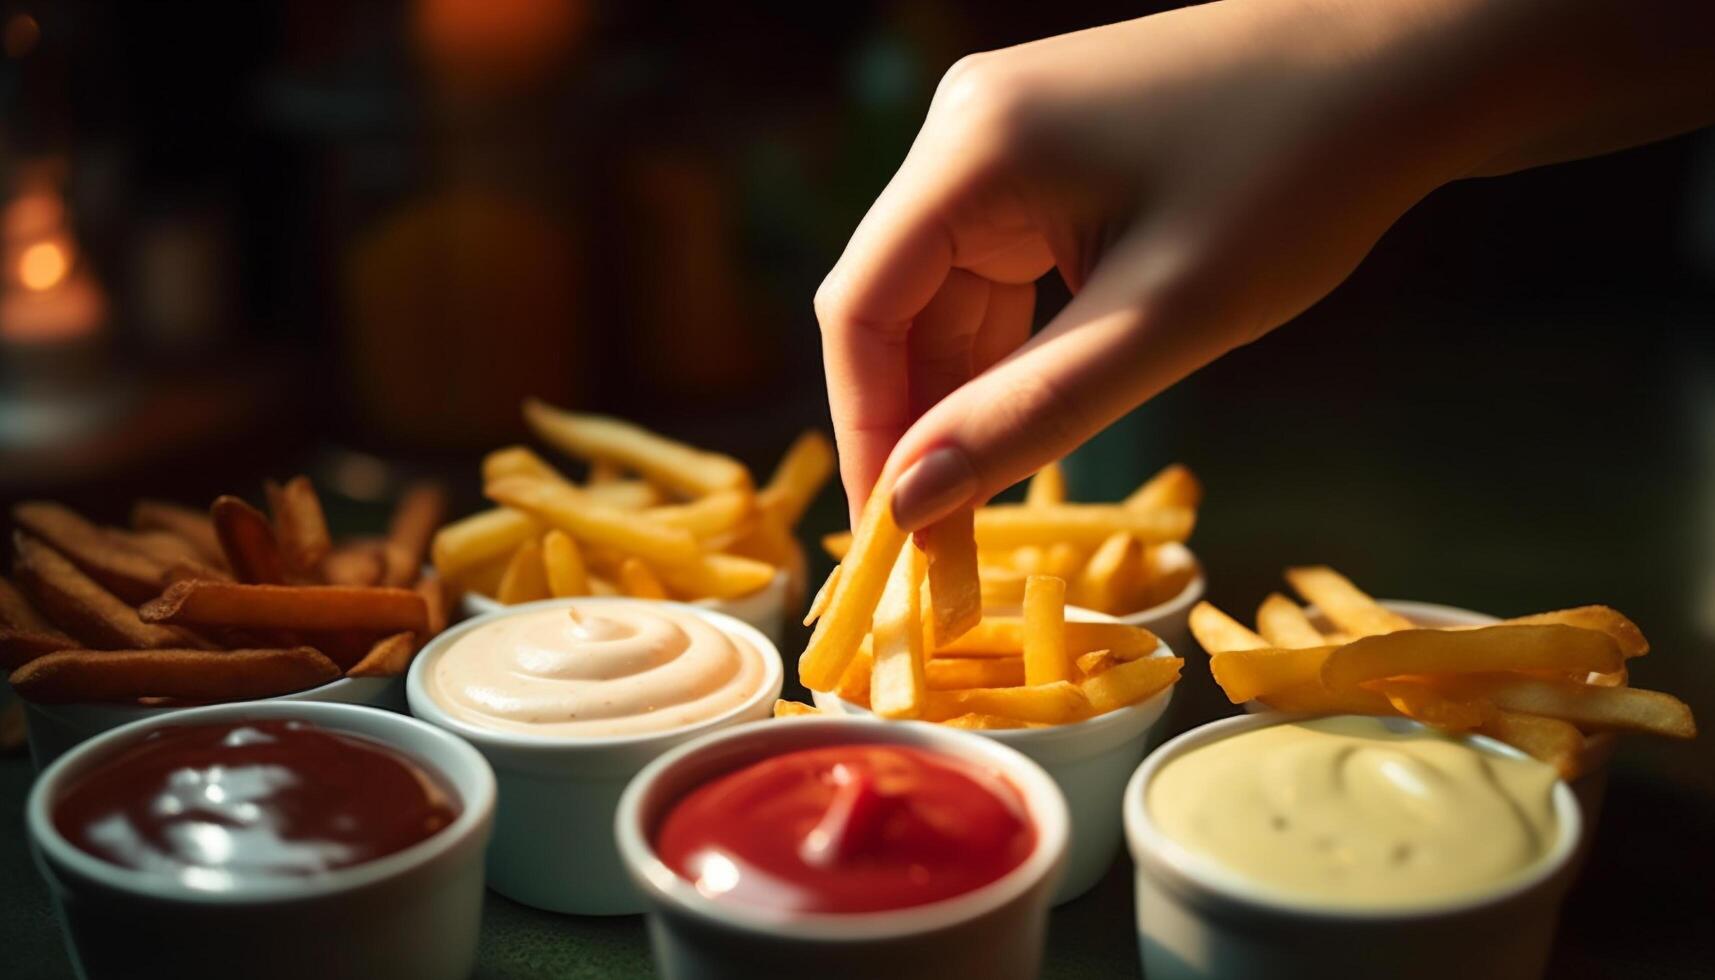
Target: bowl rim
[(424, 706), (1158, 855), (1049, 814), (482, 604), (144, 712), (446, 754)]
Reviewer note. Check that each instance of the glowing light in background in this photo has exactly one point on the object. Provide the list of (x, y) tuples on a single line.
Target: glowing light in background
[(21, 34), (43, 265)]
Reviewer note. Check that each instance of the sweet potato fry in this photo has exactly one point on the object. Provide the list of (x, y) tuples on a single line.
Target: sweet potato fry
[(190, 675), (896, 681), (1083, 525), (120, 569), (354, 563), (315, 608), (797, 478), (420, 510), (1174, 486), (19, 647), (434, 593), (482, 539), (1415, 652), (841, 629), (387, 658), (1283, 624), (955, 673), (664, 461), (955, 592), (81, 607), (1345, 605), (179, 558), (1130, 683), (1218, 632), (16, 613), (246, 537), (192, 525), (300, 527)]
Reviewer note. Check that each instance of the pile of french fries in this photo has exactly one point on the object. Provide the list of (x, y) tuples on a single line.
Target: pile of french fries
[(1539, 682), (224, 605), (901, 630), (654, 519), (1115, 558)]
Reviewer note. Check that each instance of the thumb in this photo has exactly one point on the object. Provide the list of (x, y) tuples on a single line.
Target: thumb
[(1135, 328)]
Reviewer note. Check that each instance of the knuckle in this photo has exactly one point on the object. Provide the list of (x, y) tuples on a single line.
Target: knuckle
[(987, 95)]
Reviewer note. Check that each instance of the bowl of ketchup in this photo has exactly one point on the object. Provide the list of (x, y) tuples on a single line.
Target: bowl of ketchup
[(850, 847), (267, 840)]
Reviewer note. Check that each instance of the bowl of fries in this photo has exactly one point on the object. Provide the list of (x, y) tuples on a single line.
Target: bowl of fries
[(103, 626), (1198, 919), (654, 519)]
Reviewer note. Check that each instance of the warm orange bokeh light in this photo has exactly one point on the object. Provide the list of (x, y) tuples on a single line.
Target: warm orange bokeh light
[(43, 265)]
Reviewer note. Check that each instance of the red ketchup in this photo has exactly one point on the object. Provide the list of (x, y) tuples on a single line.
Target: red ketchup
[(850, 828), (212, 804)]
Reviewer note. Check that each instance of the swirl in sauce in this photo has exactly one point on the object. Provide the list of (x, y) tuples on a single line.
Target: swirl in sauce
[(602, 669)]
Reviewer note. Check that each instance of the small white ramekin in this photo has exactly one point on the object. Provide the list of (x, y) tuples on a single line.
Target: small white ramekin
[(1171, 620), (55, 728), (995, 931), (553, 843), (413, 913), (1197, 920), (764, 609), (1090, 760)]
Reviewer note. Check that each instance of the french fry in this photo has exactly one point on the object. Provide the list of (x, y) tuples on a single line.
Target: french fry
[(564, 563), (1001, 586), (1548, 740), (16, 613), (387, 658), (854, 683), (636, 580), (316, 608), (980, 722), (1130, 683), (483, 579), (300, 528), (1082, 525), (1346, 606), (1413, 652), (526, 577), (1096, 662), (1219, 633), (356, 563), (797, 478), (1600, 618), (955, 591), (1246, 674), (954, 673), (1590, 708), (178, 557), (896, 681), (192, 525), (1424, 703), (518, 461), (1174, 486), (127, 573), (1313, 698), (841, 628), (434, 593), (624, 494), (999, 636), (603, 471), (1046, 657), (75, 603), (824, 595), (706, 517), (1283, 624), (1047, 487), (247, 539), (794, 709), (481, 539), (1111, 575), (567, 508), (717, 576), (1051, 704), (20, 646), (1061, 560), (1168, 570), (664, 461), (421, 509), (837, 545), (190, 675)]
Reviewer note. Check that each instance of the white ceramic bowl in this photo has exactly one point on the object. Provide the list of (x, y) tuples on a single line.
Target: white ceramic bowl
[(1198, 920), (1171, 620), (1090, 760), (55, 728), (553, 846), (413, 913), (995, 932), (764, 609)]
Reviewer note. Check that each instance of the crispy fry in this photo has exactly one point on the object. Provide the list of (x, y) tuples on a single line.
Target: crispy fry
[(300, 528), (1047, 487), (248, 540), (981, 722), (854, 683), (636, 580), (624, 494), (389, 657), (1096, 662), (526, 578), (1046, 657), (717, 576), (896, 681), (16, 613), (1346, 606), (1174, 486), (1082, 525), (1313, 698), (1112, 575), (824, 595), (1591, 708), (77, 604), (481, 539), (707, 517), (1424, 703), (794, 709), (434, 593), (1053, 704), (1600, 618), (663, 461), (570, 510), (955, 592), (1004, 636), (192, 525), (1130, 683), (20, 646), (1218, 632), (1412, 652), (1283, 624), (290, 607), (420, 510), (120, 569), (567, 574), (190, 675), (518, 461), (1246, 674), (1168, 569), (841, 628), (837, 545), (797, 478), (1549, 740), (356, 563), (954, 673)]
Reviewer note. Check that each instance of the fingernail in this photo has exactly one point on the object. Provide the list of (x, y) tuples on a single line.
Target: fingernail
[(933, 487)]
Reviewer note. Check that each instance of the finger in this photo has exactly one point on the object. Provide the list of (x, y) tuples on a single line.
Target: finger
[(1006, 324), (941, 338)]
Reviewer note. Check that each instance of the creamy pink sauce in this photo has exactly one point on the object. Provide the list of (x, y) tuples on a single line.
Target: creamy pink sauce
[(593, 670)]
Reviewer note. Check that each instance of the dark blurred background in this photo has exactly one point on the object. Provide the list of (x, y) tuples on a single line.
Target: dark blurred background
[(251, 239)]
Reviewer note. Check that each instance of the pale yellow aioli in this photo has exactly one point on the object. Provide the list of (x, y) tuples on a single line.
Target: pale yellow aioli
[(597, 669), (1344, 811)]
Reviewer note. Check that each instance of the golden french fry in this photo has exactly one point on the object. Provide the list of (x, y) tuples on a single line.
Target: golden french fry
[(824, 595), (191, 675), (797, 478), (841, 628), (854, 683), (119, 568), (1112, 574), (999, 636), (481, 539), (569, 509), (483, 579), (837, 545), (600, 586), (1313, 698), (1589, 707), (716, 576), (252, 551), (192, 525), (1046, 657), (1246, 674), (518, 461), (1218, 632), (1168, 570), (624, 494), (981, 722), (794, 709), (637, 581), (1096, 662), (564, 565), (300, 528), (1600, 618), (316, 608), (421, 509), (1080, 525), (1283, 624), (1549, 740), (1053, 704), (896, 680), (663, 461), (1424, 703), (1046, 487), (954, 673), (1414, 652), (706, 517), (1061, 560), (1130, 683), (1345, 605), (526, 578), (1174, 486), (389, 657), (77, 604), (955, 591), (1001, 586), (604, 471)]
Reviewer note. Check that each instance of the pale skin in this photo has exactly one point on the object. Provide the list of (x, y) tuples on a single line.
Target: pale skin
[(1198, 178)]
